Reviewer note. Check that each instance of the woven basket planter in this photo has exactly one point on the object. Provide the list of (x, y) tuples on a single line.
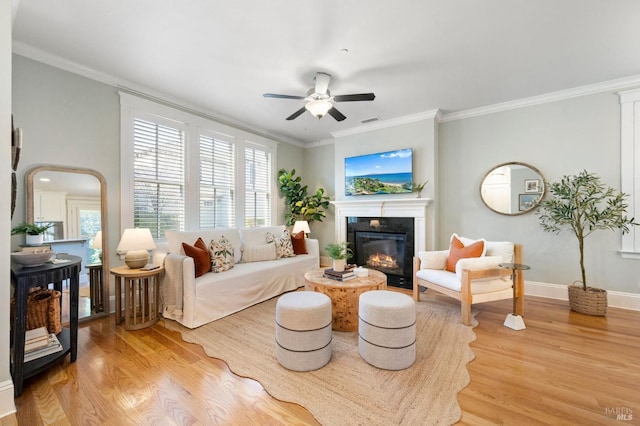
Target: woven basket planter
[(590, 302)]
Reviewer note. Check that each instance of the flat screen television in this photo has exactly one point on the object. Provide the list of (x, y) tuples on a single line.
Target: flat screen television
[(389, 172)]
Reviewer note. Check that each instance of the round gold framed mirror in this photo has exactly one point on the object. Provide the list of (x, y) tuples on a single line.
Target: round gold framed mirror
[(512, 188)]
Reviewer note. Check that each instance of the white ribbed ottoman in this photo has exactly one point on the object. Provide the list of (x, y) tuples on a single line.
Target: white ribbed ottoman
[(387, 328), (303, 330)]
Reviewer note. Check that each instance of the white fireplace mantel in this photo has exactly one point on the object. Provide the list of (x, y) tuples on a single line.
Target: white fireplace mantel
[(406, 207)]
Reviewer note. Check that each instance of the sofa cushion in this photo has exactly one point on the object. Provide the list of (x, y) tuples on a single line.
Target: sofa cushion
[(253, 236), (299, 243), (222, 254), (200, 254), (504, 249), (457, 251), (259, 252), (284, 247)]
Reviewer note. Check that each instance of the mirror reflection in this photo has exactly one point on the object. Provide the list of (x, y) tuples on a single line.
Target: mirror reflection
[(72, 201), (512, 188)]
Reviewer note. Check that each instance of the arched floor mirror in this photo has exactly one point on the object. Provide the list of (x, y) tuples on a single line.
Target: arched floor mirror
[(74, 201)]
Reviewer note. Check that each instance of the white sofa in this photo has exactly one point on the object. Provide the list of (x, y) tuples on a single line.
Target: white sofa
[(197, 301)]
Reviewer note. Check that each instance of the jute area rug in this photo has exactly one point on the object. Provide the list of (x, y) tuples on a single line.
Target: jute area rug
[(348, 391)]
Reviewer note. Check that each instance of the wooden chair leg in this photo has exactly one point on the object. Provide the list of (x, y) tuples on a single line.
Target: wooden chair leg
[(465, 312)]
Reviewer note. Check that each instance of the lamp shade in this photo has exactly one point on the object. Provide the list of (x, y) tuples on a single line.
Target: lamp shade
[(301, 225), (136, 243), (97, 241), (319, 107)]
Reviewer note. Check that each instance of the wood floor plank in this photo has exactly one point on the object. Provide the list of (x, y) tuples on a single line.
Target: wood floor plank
[(565, 368)]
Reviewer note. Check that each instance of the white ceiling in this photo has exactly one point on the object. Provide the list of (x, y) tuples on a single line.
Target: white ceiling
[(415, 55)]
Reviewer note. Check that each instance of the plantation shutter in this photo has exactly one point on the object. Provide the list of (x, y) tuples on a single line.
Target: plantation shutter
[(159, 201), (257, 204), (217, 182)]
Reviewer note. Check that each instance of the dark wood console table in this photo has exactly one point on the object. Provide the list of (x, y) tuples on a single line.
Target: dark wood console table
[(25, 278)]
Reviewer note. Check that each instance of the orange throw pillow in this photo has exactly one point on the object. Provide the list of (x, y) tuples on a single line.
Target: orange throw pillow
[(299, 243), (200, 254), (458, 251)]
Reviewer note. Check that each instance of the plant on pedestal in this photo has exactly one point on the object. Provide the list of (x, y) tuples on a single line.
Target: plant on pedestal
[(583, 205)]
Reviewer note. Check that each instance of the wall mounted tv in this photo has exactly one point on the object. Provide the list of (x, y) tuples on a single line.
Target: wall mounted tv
[(388, 172)]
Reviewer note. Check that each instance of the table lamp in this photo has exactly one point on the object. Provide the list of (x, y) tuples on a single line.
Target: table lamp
[(301, 225), (136, 243), (96, 244)]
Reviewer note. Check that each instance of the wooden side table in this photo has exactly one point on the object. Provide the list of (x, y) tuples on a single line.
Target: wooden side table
[(96, 287), (141, 296), (344, 295)]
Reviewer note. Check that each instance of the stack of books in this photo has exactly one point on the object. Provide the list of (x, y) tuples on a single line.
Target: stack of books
[(345, 275), (38, 343)]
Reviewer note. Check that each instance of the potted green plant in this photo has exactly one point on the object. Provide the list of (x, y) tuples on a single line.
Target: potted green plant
[(300, 204), (339, 253), (418, 187), (34, 233), (583, 205)]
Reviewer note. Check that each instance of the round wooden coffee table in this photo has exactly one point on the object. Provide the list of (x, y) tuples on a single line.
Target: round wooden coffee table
[(344, 295)]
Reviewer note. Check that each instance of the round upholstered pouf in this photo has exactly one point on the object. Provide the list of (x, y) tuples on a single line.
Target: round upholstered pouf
[(387, 328), (303, 330)]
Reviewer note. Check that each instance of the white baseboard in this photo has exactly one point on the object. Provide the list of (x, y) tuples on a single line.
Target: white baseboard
[(7, 405), (615, 299)]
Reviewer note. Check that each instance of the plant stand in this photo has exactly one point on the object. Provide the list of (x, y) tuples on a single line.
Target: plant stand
[(514, 321)]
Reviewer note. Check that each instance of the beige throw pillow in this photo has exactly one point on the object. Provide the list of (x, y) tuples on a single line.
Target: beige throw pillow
[(259, 253)]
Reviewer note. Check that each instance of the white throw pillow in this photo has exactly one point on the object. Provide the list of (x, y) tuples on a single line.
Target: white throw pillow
[(259, 253), (433, 259)]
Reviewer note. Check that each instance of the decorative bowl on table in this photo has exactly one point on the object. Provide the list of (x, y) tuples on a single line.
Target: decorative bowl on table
[(32, 259)]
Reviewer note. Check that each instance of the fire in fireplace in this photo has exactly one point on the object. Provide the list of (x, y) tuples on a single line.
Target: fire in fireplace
[(385, 244)]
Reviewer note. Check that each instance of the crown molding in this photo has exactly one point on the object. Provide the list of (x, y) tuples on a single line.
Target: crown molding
[(39, 55), (607, 86), (426, 115)]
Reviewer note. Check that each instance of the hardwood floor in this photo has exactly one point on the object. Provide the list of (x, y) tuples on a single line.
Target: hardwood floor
[(565, 368)]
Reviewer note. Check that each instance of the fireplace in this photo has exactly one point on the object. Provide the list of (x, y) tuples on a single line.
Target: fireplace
[(385, 244)]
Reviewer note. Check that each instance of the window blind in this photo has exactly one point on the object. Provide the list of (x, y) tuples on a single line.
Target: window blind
[(257, 203), (159, 201), (217, 182)]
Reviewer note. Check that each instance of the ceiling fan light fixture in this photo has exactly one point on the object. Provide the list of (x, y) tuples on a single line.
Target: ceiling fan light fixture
[(319, 107)]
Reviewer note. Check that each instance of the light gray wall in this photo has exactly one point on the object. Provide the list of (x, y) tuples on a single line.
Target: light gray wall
[(319, 172), (6, 389), (562, 137), (67, 120)]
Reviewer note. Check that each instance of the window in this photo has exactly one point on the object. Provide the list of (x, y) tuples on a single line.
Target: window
[(630, 167), (217, 183), (257, 210), (180, 170), (158, 173)]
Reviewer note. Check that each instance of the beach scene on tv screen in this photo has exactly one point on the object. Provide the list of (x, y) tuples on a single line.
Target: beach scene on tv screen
[(382, 173)]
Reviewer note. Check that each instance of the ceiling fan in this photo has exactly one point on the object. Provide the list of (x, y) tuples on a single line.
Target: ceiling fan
[(319, 99)]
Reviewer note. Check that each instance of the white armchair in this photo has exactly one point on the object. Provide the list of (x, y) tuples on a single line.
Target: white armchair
[(475, 280)]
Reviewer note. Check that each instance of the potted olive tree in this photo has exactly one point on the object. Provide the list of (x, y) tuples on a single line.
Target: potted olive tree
[(339, 253), (34, 234), (300, 204), (582, 204)]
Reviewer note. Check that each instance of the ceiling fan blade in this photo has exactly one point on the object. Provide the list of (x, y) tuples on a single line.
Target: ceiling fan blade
[(357, 97), (297, 114), (336, 114), (275, 95), (322, 82)]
